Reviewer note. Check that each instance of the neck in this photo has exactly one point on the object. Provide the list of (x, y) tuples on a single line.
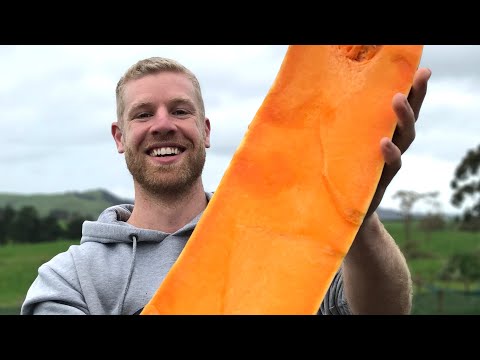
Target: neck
[(167, 213)]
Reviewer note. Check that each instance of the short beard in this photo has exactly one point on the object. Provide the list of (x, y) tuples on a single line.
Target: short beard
[(167, 180)]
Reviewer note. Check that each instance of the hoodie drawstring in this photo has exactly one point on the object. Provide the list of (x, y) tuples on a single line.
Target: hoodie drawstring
[(132, 264)]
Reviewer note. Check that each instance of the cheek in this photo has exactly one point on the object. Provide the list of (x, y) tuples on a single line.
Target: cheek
[(198, 133), (190, 132), (133, 137)]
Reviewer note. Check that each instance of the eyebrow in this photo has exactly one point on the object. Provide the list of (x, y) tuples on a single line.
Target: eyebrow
[(181, 101), (145, 103), (136, 106)]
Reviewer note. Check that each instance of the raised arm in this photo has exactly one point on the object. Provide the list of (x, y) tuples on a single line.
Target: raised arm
[(375, 273)]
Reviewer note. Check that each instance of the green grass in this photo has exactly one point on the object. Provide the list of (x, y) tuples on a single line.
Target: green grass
[(18, 268), (19, 265), (446, 303), (435, 247)]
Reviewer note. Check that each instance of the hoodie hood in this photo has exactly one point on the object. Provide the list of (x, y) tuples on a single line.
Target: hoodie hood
[(112, 227)]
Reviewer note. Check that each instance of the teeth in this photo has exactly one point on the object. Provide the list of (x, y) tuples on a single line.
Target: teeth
[(164, 151)]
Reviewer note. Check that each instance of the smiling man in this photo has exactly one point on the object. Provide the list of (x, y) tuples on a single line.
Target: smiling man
[(163, 131), (124, 256)]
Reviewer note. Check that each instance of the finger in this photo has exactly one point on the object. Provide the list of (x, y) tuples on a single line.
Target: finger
[(405, 131), (419, 90), (393, 161)]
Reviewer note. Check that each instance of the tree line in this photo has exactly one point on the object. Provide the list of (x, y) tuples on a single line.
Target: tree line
[(466, 193), (25, 225), (466, 189)]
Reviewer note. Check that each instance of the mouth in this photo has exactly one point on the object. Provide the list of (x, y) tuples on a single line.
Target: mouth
[(165, 151)]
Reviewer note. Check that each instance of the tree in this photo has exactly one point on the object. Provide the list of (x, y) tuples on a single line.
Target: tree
[(434, 218), (60, 214), (26, 226), (74, 226), (49, 229), (463, 267), (466, 186), (7, 216), (407, 199)]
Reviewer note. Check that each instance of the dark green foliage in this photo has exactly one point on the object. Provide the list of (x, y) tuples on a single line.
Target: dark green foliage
[(40, 218), (49, 229), (74, 227), (26, 225), (88, 203), (60, 214), (462, 266), (7, 215), (466, 188)]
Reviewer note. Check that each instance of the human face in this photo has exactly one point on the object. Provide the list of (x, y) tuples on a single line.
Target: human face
[(162, 117)]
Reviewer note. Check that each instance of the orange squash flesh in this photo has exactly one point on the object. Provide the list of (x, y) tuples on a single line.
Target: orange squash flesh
[(297, 189)]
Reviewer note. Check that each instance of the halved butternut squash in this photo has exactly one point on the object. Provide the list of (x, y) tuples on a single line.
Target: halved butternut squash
[(298, 187)]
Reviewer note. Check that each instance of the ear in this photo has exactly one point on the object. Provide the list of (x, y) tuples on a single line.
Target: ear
[(206, 129), (118, 137)]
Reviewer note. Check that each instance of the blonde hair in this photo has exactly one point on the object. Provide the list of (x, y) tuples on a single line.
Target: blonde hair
[(150, 66)]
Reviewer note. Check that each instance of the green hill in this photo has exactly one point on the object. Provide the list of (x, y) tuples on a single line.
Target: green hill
[(92, 203), (87, 203)]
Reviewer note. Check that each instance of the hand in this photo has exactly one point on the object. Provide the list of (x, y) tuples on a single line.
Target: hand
[(407, 111)]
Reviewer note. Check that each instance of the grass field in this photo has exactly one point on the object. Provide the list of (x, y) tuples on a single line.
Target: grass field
[(436, 247), (18, 269), (19, 265), (433, 296)]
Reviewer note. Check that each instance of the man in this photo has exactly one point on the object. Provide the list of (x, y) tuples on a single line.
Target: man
[(162, 130)]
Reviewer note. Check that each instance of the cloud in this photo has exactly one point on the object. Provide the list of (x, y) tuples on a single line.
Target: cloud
[(57, 104), (452, 62), (423, 173), (448, 124)]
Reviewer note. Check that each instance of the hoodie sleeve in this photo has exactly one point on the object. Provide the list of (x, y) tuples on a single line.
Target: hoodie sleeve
[(334, 302), (56, 290)]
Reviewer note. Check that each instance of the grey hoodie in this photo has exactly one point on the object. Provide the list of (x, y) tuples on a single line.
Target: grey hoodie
[(117, 268)]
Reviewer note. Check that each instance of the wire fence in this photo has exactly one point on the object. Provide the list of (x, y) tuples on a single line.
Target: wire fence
[(433, 300)]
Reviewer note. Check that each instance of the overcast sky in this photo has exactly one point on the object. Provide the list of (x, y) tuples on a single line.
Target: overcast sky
[(57, 104)]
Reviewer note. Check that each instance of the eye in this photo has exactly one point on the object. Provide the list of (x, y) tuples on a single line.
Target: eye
[(143, 115), (180, 112)]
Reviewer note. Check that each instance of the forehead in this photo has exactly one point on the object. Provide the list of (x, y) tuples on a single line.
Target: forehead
[(158, 87)]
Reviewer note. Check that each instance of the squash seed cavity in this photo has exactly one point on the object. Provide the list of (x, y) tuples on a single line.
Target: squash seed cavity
[(359, 53)]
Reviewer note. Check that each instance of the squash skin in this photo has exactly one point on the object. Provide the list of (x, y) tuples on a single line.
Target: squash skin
[(297, 188)]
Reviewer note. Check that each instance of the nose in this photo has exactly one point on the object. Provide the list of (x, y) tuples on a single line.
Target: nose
[(162, 123)]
